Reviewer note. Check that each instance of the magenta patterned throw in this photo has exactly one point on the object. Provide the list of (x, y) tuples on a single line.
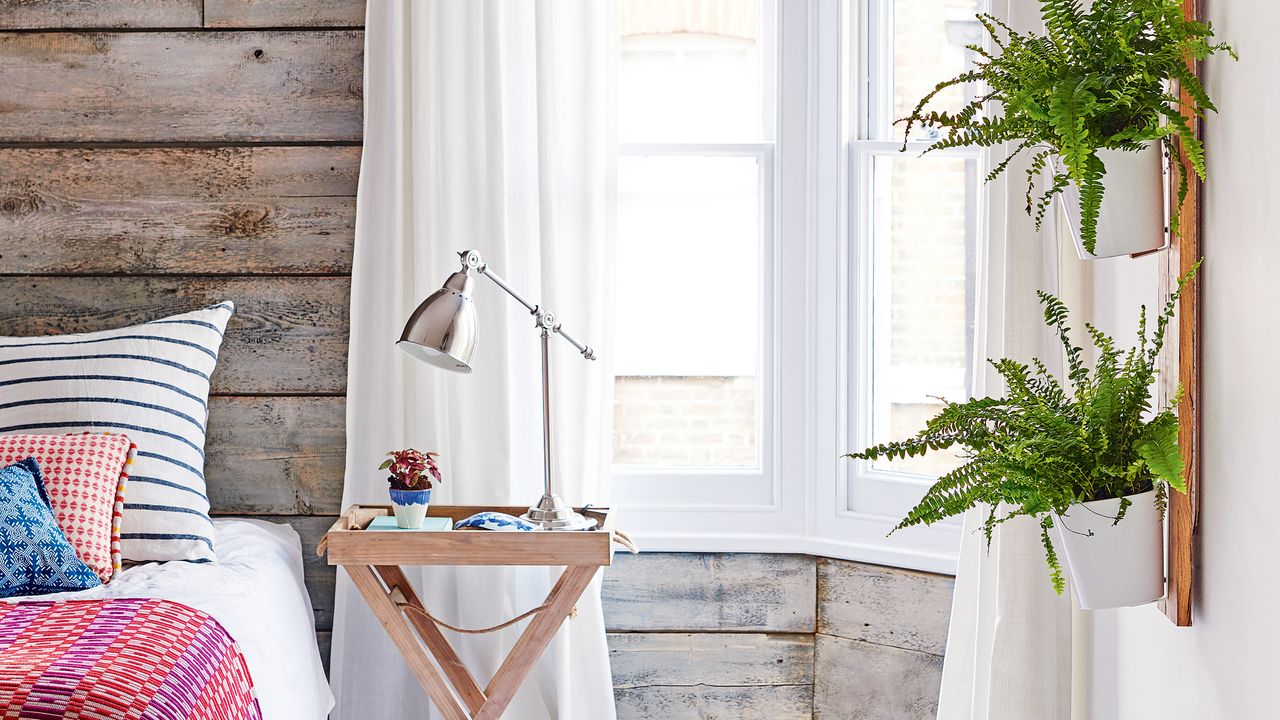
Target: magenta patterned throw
[(118, 659)]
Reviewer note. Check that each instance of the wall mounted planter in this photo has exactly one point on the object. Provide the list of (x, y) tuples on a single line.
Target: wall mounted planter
[(1114, 564), (1133, 217)]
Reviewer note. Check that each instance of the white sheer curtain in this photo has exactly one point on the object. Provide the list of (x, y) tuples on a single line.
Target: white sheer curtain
[(1010, 646), (487, 126)]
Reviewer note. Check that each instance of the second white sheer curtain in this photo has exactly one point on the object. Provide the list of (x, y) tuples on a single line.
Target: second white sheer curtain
[(488, 126), (1013, 645)]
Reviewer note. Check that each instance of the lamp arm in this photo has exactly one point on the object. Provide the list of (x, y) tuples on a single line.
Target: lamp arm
[(471, 260)]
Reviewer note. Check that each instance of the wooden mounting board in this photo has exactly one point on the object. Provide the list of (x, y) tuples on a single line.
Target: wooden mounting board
[(1185, 249)]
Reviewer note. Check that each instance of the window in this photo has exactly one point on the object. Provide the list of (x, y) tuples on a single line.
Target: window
[(914, 228), (790, 285)]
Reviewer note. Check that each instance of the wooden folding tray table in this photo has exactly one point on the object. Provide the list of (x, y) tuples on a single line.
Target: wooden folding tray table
[(373, 559)]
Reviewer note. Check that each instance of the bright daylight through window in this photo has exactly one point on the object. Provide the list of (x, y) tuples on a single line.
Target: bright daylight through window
[(690, 224), (790, 284)]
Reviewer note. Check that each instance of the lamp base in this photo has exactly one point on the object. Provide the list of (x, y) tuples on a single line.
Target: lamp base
[(551, 513)]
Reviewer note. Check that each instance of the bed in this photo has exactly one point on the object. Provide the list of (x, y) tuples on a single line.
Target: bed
[(254, 591)]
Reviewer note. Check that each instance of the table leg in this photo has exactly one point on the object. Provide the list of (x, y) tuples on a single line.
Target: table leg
[(459, 676), (406, 642), (502, 688)]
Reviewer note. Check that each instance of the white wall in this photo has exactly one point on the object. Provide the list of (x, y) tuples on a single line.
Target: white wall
[(1228, 665)]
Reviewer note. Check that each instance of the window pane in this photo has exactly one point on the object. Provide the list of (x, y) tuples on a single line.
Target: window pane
[(929, 38), (923, 217), (689, 72), (688, 312)]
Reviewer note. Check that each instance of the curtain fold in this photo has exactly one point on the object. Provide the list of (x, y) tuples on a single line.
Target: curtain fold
[(488, 126), (1010, 645)]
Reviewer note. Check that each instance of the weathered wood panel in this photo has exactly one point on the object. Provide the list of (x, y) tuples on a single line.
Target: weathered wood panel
[(707, 591), (40, 14), (181, 86), (238, 211), (289, 334), (276, 455), (283, 13), (320, 575), (855, 680), (788, 702), (884, 605), (716, 659)]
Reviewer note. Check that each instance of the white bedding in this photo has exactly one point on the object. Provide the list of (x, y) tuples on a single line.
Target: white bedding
[(255, 591)]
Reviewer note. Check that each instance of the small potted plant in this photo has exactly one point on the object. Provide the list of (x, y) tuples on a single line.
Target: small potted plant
[(411, 475), (1089, 461), (1088, 99)]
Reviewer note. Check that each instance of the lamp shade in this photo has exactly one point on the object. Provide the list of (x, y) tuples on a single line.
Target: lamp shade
[(442, 331)]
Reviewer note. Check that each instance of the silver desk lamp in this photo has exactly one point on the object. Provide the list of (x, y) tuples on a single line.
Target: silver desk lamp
[(442, 332)]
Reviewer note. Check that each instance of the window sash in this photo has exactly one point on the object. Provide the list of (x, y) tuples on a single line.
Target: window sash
[(668, 487), (869, 489)]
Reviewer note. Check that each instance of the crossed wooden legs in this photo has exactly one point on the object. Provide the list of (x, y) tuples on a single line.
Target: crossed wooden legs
[(384, 585)]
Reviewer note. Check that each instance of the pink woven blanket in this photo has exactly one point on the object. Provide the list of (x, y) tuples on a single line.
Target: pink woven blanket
[(118, 659)]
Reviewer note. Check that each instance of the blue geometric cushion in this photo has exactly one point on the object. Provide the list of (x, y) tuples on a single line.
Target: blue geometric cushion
[(35, 556)]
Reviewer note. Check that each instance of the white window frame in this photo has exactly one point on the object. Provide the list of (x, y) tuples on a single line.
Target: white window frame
[(814, 369)]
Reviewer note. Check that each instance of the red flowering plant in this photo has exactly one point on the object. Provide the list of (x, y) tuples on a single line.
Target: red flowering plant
[(410, 469)]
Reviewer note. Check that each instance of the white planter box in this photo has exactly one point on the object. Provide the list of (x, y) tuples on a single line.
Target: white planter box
[(1114, 564), (1133, 215)]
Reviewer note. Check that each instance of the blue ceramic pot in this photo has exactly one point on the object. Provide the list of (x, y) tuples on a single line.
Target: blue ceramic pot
[(411, 507)]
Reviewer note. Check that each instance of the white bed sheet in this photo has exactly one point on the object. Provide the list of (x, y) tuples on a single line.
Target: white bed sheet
[(255, 590)]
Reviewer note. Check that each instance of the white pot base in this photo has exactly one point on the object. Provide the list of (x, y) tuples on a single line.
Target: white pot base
[(1119, 564), (1133, 215), (410, 517)]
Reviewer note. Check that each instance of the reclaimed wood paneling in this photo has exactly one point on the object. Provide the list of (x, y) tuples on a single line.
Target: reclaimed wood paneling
[(182, 86), (884, 605), (713, 659), (165, 167), (235, 211), (42, 14), (288, 336), (283, 13), (276, 455), (677, 702), (856, 680), (708, 591)]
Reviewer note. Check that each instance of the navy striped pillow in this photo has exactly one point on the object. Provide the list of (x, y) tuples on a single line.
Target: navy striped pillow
[(150, 382)]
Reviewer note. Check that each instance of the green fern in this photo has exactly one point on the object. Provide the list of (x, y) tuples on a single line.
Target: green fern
[(1049, 444), (1097, 79)]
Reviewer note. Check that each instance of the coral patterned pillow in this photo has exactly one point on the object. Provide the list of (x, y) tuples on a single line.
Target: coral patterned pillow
[(84, 476)]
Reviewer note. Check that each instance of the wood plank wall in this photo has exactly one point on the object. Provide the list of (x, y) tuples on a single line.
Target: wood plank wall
[(157, 156), (773, 637)]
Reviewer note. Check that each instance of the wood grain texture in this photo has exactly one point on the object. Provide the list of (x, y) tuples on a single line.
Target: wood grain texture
[(50, 14), (888, 606), (856, 680), (289, 334), (788, 702), (1186, 251), (706, 591), (283, 13), (237, 211), (713, 659), (181, 86), (276, 455), (347, 543)]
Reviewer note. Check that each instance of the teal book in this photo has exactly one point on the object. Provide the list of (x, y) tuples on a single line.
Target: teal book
[(388, 522)]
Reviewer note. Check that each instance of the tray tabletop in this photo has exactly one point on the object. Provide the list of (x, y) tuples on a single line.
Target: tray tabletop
[(349, 543)]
